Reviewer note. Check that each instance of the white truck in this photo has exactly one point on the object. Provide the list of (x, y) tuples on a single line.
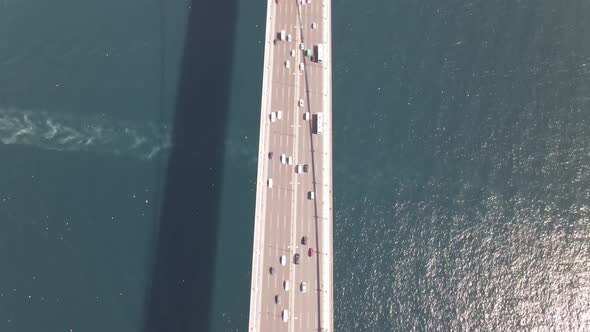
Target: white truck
[(317, 123), (319, 53)]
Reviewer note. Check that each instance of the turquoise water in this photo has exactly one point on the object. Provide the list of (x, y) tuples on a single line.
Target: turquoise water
[(461, 162)]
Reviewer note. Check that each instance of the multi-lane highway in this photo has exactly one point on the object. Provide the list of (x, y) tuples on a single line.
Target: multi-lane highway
[(292, 251)]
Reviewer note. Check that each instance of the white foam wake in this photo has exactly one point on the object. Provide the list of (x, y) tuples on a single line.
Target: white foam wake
[(71, 132)]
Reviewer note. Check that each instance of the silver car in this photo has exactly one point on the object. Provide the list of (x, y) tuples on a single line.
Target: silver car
[(303, 287)]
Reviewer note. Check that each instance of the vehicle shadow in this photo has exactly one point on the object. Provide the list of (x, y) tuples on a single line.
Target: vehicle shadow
[(179, 291)]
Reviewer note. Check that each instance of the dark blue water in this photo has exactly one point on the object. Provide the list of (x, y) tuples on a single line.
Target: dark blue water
[(85, 126), (128, 160)]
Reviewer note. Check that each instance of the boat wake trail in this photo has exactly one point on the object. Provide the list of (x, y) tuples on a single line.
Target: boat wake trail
[(73, 133)]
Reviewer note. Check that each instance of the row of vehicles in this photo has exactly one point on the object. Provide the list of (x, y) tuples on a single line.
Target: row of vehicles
[(317, 119), (286, 283), (316, 54), (301, 2)]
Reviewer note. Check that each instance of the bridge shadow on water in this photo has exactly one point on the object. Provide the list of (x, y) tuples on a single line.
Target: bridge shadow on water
[(179, 295)]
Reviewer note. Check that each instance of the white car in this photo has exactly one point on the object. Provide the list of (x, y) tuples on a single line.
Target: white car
[(298, 168), (311, 195), (287, 64), (306, 116), (269, 183), (289, 37), (273, 117), (283, 260), (303, 287), (285, 315), (289, 161), (292, 53), (286, 285), (302, 46), (279, 115), (300, 103), (314, 25), (283, 158), (301, 66)]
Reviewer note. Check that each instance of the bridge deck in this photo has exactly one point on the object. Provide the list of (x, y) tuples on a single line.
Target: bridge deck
[(285, 211)]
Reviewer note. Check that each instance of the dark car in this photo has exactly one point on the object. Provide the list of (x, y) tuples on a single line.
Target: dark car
[(271, 270), (310, 252), (296, 259), (277, 299), (304, 240)]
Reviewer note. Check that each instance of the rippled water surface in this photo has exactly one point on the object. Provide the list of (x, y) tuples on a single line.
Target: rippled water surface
[(462, 166)]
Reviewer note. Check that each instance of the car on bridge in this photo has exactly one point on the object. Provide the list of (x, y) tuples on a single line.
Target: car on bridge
[(304, 240), (303, 287)]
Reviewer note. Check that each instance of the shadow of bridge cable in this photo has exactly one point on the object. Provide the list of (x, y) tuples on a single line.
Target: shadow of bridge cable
[(179, 294), (313, 167)]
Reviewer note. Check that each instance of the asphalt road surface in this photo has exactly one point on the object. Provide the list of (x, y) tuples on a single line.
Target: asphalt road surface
[(292, 179)]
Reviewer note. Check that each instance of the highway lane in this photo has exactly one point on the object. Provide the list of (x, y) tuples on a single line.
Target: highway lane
[(286, 211)]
